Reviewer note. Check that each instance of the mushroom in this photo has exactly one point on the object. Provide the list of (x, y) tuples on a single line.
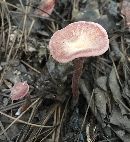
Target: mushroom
[(75, 41), (19, 90), (45, 8)]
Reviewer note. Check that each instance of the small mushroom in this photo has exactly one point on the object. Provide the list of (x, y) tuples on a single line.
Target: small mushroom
[(45, 8), (75, 41), (19, 90)]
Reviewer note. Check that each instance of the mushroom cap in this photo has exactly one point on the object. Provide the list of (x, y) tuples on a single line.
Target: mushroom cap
[(78, 39), (45, 8), (19, 90)]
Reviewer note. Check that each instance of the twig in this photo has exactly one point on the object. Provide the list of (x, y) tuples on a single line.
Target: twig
[(30, 66), (87, 111), (19, 116), (24, 122)]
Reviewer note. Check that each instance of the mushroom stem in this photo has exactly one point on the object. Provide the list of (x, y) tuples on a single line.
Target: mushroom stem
[(78, 66)]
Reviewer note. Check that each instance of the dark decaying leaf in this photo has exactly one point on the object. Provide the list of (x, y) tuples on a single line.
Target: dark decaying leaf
[(86, 93), (96, 110), (119, 120), (101, 102), (107, 22), (101, 97), (112, 8), (58, 71), (115, 53), (115, 89), (123, 135), (90, 13), (114, 86), (126, 92), (120, 124), (101, 82)]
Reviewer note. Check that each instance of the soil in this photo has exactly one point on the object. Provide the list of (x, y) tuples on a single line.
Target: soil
[(46, 113)]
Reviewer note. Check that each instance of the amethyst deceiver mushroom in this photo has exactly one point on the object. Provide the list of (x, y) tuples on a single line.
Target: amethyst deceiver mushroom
[(75, 41)]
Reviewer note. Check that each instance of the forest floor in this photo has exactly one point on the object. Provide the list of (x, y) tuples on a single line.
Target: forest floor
[(46, 113)]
